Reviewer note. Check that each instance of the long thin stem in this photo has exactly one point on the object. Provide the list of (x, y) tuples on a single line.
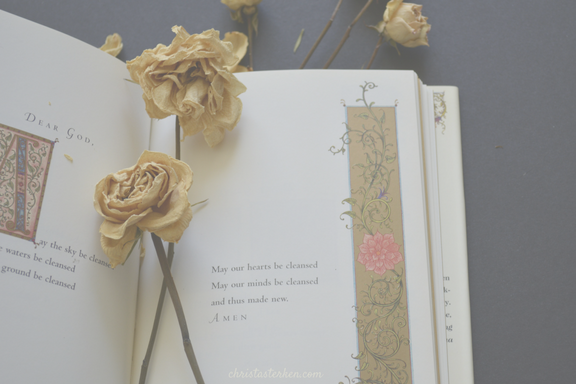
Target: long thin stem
[(378, 44), (309, 55), (146, 361), (158, 315), (178, 308), (347, 34), (177, 136), (250, 33)]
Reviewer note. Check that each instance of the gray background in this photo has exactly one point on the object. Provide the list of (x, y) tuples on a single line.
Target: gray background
[(514, 63)]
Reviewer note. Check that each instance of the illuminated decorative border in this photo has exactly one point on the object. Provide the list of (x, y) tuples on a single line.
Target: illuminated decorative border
[(24, 163), (439, 111), (375, 210)]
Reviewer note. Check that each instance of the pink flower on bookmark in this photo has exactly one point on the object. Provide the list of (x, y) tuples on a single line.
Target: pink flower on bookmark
[(379, 253)]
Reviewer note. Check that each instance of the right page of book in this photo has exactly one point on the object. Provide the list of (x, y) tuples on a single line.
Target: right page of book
[(453, 232), (310, 259)]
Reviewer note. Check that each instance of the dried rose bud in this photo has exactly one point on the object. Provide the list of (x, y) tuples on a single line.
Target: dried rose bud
[(404, 24)]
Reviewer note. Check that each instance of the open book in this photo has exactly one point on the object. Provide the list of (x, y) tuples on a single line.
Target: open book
[(332, 247)]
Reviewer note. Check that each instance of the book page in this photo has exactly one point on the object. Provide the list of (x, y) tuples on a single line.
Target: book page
[(267, 271), (67, 119), (434, 228), (453, 224)]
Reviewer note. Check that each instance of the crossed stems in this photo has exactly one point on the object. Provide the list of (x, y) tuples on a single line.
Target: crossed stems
[(168, 283)]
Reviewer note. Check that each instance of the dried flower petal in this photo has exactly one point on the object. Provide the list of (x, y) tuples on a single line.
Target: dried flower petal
[(298, 40), (113, 45), (239, 43)]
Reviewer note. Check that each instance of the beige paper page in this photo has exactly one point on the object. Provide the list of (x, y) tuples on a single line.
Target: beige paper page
[(266, 269), (66, 316), (453, 224)]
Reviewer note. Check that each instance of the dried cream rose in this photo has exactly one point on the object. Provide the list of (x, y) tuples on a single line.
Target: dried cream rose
[(403, 23), (189, 79), (237, 4), (113, 45), (239, 47), (150, 196)]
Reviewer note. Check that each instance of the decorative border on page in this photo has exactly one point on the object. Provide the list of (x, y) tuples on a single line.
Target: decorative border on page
[(376, 213), (24, 163), (439, 111)]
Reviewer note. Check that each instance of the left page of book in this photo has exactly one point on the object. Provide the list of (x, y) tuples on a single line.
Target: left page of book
[(67, 119)]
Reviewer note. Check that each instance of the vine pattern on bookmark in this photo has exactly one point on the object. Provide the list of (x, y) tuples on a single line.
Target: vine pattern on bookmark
[(439, 111), (376, 222), (24, 164)]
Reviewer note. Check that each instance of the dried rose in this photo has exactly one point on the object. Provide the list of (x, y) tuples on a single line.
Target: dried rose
[(150, 196), (239, 47), (403, 23), (189, 79), (113, 45), (237, 4), (238, 8)]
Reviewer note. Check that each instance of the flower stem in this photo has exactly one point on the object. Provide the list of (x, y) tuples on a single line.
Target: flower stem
[(250, 33), (321, 35), (178, 308), (158, 315), (177, 136), (146, 361), (378, 44), (347, 34)]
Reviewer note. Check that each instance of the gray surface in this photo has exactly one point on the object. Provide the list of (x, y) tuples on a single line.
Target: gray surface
[(514, 64)]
